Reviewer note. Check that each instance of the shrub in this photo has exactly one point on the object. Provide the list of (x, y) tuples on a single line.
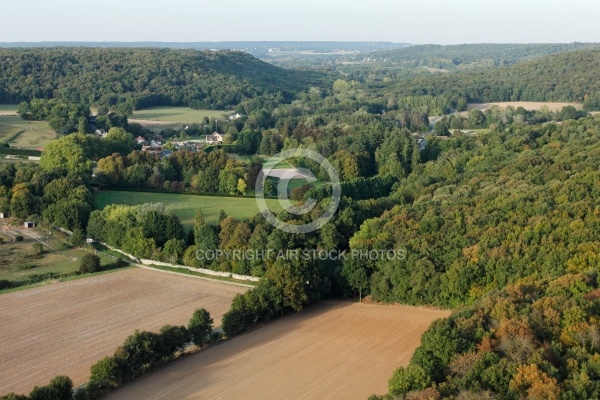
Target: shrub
[(77, 238), (37, 249), (200, 327), (406, 379), (59, 388), (89, 263), (19, 238), (4, 284), (233, 323), (173, 340), (105, 375)]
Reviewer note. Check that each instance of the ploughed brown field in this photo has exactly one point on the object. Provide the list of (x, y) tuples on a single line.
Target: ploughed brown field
[(329, 351), (65, 328)]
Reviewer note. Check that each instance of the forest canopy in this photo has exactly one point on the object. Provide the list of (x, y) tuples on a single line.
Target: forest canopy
[(144, 77)]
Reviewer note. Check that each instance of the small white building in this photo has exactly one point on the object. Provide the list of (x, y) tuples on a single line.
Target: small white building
[(101, 132), (3, 215), (29, 224), (214, 138), (235, 116)]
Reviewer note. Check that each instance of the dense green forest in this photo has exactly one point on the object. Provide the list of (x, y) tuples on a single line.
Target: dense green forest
[(512, 217), (147, 77), (563, 77), (473, 56)]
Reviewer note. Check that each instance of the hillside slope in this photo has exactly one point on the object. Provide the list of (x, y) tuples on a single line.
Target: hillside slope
[(208, 79)]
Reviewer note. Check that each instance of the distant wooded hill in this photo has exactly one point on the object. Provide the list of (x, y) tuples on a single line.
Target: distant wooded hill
[(470, 56), (144, 77), (570, 76)]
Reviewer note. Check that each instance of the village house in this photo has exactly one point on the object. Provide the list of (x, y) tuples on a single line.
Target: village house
[(214, 138), (101, 132)]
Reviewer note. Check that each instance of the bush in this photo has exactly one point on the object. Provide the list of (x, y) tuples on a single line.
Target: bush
[(201, 327), (14, 396), (233, 323), (37, 249), (19, 238), (4, 284), (89, 263), (105, 376), (59, 388), (407, 379), (173, 340), (77, 238)]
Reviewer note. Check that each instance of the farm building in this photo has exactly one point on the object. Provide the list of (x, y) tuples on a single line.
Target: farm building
[(29, 224), (214, 138), (4, 215)]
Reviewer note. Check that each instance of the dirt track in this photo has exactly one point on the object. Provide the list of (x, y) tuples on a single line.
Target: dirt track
[(330, 351), (64, 328)]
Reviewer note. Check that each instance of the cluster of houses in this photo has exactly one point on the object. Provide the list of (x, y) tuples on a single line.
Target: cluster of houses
[(156, 145)]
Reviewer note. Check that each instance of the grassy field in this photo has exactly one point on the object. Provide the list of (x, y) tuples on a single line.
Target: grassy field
[(25, 134), (8, 108), (276, 163), (176, 114), (17, 264), (185, 206)]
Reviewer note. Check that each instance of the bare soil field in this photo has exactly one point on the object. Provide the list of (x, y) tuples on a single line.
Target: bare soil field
[(329, 351), (528, 105), (66, 327)]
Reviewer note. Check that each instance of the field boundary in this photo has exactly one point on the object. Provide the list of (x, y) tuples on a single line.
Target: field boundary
[(12, 137), (150, 267), (202, 270), (147, 263)]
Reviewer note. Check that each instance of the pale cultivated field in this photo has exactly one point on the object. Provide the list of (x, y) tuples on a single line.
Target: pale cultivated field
[(148, 121), (528, 105), (66, 327), (330, 351)]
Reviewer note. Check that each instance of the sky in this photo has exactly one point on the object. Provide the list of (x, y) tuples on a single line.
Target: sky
[(419, 21)]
